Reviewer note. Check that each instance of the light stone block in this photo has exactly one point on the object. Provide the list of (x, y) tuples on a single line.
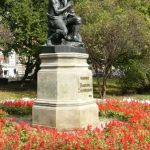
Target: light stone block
[(65, 92)]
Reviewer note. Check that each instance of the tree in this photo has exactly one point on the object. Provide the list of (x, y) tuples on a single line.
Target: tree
[(113, 32), (136, 77), (6, 36), (28, 22)]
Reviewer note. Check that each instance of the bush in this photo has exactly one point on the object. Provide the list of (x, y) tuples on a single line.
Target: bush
[(136, 77)]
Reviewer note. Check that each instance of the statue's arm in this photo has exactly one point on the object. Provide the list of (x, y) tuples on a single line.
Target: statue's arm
[(57, 10)]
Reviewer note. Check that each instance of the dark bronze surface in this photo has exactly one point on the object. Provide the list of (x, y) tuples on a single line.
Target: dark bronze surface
[(63, 24)]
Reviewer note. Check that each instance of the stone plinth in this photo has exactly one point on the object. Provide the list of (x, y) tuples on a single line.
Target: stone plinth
[(65, 92)]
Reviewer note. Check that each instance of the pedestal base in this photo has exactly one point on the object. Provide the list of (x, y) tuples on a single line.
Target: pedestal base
[(65, 117)]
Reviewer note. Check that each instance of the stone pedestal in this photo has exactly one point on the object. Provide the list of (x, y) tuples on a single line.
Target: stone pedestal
[(65, 92)]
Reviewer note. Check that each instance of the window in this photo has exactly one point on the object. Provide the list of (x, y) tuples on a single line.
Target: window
[(5, 72), (14, 71)]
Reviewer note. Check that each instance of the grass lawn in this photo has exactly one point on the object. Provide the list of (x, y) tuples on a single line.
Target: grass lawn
[(15, 91), (114, 91)]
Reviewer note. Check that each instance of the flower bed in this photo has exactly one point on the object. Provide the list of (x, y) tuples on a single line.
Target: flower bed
[(124, 110), (18, 107), (2, 114), (132, 132)]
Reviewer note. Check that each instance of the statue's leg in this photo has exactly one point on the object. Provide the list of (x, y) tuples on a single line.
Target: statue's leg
[(57, 31), (61, 27), (76, 35), (49, 42), (74, 23)]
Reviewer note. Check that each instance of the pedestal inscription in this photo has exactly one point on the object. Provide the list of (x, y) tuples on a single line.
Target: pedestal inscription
[(85, 85)]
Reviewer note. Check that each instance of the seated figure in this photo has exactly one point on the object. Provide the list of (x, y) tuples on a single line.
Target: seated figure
[(63, 24)]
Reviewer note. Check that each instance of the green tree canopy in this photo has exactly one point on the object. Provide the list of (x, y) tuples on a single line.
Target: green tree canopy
[(6, 37), (28, 22), (114, 31)]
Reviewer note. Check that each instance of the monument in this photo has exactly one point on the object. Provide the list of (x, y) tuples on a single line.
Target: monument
[(65, 88)]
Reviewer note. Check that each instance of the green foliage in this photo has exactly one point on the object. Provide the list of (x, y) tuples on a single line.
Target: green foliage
[(13, 110), (136, 76), (6, 37), (109, 27), (115, 114), (27, 20), (115, 32), (2, 114), (28, 24)]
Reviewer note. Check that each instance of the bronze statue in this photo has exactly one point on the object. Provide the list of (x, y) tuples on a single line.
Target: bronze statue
[(63, 24)]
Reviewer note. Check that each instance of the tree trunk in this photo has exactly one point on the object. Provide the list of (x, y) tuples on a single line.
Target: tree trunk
[(106, 74), (31, 70), (37, 68), (29, 67), (103, 89)]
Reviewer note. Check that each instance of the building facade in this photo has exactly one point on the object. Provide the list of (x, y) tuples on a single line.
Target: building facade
[(10, 66)]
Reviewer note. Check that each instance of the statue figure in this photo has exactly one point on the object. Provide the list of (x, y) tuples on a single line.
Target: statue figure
[(63, 24)]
